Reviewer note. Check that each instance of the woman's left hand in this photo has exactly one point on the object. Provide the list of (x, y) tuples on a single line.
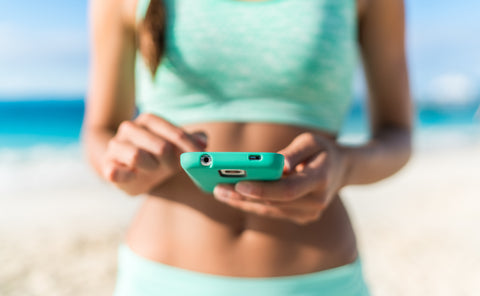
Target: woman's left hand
[(315, 170)]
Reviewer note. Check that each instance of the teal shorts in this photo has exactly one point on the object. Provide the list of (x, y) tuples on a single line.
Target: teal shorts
[(138, 276)]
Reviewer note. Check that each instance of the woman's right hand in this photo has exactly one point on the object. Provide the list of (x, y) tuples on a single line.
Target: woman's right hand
[(145, 152)]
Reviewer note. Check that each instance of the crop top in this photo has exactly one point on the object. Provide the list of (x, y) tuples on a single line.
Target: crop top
[(277, 61)]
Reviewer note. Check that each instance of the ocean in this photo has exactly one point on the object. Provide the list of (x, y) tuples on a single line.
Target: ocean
[(39, 121), (57, 122)]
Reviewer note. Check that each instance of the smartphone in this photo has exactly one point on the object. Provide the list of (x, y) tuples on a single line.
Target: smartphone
[(207, 169)]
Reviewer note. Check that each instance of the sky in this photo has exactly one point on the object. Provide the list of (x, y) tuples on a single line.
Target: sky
[(44, 48)]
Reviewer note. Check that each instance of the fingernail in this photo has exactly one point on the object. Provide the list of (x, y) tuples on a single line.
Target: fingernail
[(221, 193), (246, 188), (287, 165), (201, 138)]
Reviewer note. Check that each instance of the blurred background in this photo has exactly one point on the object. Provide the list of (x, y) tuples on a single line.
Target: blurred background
[(60, 225)]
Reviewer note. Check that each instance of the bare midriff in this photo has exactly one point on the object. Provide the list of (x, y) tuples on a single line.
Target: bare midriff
[(179, 225)]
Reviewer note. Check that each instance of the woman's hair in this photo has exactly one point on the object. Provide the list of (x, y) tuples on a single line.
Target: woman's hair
[(151, 34)]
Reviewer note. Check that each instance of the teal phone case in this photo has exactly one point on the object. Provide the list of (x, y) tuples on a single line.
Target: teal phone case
[(231, 167)]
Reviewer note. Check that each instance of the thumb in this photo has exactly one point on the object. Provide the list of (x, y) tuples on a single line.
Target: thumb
[(300, 150)]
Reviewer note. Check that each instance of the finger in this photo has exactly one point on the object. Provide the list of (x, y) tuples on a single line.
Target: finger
[(288, 188), (297, 215), (145, 140), (131, 156), (170, 132), (311, 201), (117, 173), (299, 150), (314, 202)]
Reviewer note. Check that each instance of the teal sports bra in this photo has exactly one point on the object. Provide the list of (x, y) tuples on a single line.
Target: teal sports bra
[(277, 61)]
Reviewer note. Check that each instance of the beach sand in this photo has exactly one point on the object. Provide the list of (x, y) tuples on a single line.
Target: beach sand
[(60, 225)]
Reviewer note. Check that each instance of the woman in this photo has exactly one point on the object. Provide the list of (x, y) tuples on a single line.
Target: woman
[(232, 75)]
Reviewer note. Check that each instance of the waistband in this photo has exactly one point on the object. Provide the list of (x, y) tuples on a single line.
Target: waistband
[(138, 276)]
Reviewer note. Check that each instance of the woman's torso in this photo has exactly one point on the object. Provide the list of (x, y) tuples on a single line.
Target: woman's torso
[(181, 226)]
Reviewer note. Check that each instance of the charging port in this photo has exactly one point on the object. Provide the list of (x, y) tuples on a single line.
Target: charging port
[(254, 157), (232, 173)]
